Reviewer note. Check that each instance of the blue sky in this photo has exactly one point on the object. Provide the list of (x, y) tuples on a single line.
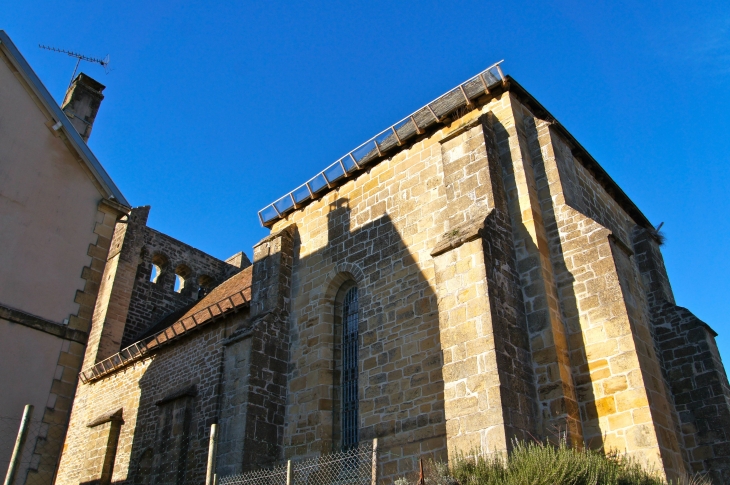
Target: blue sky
[(215, 109)]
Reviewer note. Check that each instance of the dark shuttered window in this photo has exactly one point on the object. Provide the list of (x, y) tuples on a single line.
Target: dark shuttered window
[(350, 435)]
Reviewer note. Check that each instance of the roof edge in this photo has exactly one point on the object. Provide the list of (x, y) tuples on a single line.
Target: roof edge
[(180, 328), (583, 156), (82, 149), (508, 84)]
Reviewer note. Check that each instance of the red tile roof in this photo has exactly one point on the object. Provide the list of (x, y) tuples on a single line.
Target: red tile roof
[(228, 297), (231, 295)]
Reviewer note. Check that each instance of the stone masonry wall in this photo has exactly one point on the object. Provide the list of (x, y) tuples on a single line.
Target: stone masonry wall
[(129, 302), (167, 402), (556, 392), (265, 413), (378, 231), (561, 299), (153, 300), (483, 328), (186, 374), (623, 403), (691, 366), (115, 291), (700, 387)]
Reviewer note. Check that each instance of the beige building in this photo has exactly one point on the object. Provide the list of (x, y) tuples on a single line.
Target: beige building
[(469, 276), (58, 209)]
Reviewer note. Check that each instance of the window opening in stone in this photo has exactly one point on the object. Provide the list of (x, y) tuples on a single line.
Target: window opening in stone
[(204, 284), (349, 399), (159, 262), (155, 273), (182, 273)]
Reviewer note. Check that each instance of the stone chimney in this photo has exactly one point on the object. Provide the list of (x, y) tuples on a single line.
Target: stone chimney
[(82, 102)]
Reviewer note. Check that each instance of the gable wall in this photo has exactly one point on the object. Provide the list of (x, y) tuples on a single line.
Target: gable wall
[(55, 237), (428, 357), (48, 209)]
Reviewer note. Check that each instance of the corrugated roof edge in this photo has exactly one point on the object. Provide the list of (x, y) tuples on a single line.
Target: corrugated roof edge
[(73, 136)]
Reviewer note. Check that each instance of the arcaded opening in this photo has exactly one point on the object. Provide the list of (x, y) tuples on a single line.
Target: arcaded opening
[(182, 274), (205, 282), (159, 263)]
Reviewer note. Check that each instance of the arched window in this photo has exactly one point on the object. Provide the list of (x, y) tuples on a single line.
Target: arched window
[(159, 263), (204, 284), (350, 369), (182, 272)]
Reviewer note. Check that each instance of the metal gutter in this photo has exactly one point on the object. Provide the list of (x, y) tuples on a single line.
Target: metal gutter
[(30, 77)]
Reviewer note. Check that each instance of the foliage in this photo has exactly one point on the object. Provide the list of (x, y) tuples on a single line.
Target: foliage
[(535, 463)]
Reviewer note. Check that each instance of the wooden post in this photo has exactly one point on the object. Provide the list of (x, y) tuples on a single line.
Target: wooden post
[(19, 441), (288, 472), (210, 476), (374, 471)]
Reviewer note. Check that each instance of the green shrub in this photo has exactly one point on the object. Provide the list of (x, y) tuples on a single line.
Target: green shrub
[(544, 464)]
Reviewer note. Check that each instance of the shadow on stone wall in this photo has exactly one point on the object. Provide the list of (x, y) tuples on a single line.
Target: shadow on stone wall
[(587, 411), (401, 389), (560, 413), (177, 404)]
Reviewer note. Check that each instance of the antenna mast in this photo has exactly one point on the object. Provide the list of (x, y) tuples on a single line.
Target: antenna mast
[(80, 57)]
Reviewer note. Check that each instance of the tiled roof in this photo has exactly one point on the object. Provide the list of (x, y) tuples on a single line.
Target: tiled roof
[(228, 297), (231, 294)]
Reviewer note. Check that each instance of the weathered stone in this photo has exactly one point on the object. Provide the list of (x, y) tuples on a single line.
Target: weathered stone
[(505, 288)]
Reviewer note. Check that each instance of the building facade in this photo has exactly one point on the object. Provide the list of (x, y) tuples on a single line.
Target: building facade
[(476, 280), (58, 209)]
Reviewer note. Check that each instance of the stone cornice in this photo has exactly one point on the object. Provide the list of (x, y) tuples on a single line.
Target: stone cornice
[(38, 323)]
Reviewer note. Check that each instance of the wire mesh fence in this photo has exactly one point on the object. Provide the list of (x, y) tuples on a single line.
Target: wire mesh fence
[(273, 476), (37, 457), (173, 454), (351, 467)]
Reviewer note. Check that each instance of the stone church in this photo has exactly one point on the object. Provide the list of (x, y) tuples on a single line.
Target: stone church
[(468, 277)]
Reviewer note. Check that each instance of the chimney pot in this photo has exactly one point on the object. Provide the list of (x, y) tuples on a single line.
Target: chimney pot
[(82, 102)]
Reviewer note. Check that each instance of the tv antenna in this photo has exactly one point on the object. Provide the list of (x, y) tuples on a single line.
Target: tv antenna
[(80, 57)]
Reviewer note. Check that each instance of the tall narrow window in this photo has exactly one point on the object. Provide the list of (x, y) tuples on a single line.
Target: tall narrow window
[(349, 398)]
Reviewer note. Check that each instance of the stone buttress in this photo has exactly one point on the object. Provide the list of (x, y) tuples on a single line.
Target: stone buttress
[(256, 364), (554, 313)]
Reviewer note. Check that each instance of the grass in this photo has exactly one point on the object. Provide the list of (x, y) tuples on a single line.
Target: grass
[(536, 463)]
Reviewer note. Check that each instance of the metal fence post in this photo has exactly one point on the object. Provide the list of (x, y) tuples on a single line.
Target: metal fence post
[(19, 441), (374, 471), (212, 445), (288, 472)]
